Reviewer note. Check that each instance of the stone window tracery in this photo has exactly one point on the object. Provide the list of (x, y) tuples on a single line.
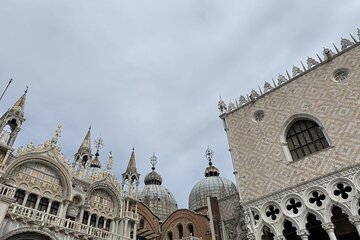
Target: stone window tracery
[(305, 137), (342, 190), (272, 212), (317, 198), (256, 216), (294, 206)]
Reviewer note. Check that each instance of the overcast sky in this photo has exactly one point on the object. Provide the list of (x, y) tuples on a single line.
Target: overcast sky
[(150, 73)]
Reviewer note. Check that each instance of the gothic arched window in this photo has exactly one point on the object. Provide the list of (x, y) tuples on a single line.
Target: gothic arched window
[(305, 137)]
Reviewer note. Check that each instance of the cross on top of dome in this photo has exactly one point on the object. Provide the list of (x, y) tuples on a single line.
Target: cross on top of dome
[(209, 154), (153, 161)]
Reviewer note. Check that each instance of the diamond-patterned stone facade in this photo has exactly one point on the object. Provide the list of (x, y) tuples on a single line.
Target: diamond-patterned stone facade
[(259, 159)]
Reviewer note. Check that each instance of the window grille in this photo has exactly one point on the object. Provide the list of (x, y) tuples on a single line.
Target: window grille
[(304, 138)]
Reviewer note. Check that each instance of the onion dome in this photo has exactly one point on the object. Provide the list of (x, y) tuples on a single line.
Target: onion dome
[(211, 186), (95, 163), (155, 196)]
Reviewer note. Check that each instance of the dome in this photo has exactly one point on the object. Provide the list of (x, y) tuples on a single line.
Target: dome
[(160, 201), (153, 178), (95, 163), (211, 186)]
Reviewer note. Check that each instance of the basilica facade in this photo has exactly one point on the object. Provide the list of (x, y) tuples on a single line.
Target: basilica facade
[(295, 147), (46, 196)]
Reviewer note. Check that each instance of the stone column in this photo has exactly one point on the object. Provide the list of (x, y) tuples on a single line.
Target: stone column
[(6, 157), (81, 215), (355, 220), (97, 222), (105, 220), (113, 226), (49, 206), (126, 228), (37, 202), (303, 234), (134, 231), (329, 228), (64, 207), (25, 198), (89, 218)]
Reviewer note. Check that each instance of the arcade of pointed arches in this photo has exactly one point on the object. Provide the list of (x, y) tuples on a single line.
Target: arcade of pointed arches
[(331, 213)]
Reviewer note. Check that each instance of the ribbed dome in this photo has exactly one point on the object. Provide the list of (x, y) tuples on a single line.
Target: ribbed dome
[(95, 163), (153, 178), (211, 186), (161, 202), (214, 186)]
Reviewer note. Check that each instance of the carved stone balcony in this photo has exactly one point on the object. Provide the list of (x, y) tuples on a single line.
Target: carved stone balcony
[(132, 216), (55, 223), (7, 193)]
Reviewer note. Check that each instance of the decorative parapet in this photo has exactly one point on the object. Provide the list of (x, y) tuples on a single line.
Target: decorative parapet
[(7, 193), (55, 223), (296, 72)]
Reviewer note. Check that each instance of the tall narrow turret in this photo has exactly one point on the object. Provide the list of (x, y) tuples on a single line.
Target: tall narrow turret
[(131, 177), (83, 155), (11, 121)]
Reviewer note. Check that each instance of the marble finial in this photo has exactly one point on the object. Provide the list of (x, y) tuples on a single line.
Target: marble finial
[(254, 95), (281, 79), (267, 87), (311, 62), (231, 106), (296, 71), (242, 100), (328, 53), (345, 43), (222, 106)]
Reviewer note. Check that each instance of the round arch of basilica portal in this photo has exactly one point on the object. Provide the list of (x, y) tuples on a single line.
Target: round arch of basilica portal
[(59, 168), (28, 233)]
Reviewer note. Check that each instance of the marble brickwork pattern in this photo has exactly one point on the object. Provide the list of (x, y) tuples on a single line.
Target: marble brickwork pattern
[(259, 161)]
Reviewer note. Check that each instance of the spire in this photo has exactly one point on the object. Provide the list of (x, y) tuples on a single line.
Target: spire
[(131, 167), (131, 171), (18, 107), (86, 144)]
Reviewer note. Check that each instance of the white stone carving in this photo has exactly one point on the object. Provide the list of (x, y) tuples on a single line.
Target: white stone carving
[(267, 87), (311, 62), (281, 79), (345, 43), (296, 71)]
